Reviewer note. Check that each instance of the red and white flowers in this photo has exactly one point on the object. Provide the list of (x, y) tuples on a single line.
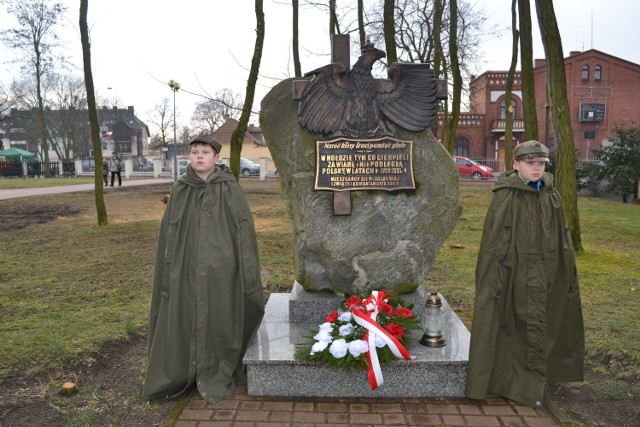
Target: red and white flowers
[(363, 332)]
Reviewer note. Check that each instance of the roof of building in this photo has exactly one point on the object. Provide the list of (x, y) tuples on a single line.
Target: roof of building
[(579, 55), (106, 117), (126, 116), (225, 131)]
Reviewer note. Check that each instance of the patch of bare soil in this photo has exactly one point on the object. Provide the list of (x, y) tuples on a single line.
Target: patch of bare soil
[(22, 216), (591, 403), (108, 394)]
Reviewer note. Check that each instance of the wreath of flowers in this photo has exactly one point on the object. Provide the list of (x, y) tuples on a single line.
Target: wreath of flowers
[(341, 342)]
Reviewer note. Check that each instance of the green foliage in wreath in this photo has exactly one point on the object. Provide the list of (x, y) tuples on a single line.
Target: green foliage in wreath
[(339, 341)]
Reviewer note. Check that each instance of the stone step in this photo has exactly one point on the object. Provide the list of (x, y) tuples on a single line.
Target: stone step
[(273, 370)]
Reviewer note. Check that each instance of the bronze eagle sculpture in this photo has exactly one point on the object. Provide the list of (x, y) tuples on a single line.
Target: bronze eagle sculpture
[(352, 103)]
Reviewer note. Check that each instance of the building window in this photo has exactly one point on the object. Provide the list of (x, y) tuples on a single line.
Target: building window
[(597, 73), (585, 72), (503, 113), (123, 146), (461, 146)]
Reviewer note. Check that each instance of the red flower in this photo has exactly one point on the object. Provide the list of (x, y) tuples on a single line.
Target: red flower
[(394, 329), (353, 300), (402, 312), (385, 308), (332, 317)]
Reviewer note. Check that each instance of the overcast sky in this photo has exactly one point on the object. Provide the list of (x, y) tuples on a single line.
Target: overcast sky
[(139, 45)]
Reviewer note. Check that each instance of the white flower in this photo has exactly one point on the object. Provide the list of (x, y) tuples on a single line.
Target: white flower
[(319, 347), (324, 336), (324, 332), (339, 348), (327, 326), (358, 347), (380, 342), (345, 316), (346, 330)]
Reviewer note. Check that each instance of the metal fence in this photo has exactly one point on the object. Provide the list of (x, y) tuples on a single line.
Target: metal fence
[(37, 169), (589, 161), (68, 168), (8, 169), (497, 167), (478, 168)]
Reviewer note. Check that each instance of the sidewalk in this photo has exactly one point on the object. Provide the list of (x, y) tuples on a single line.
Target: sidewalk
[(240, 410), (42, 191)]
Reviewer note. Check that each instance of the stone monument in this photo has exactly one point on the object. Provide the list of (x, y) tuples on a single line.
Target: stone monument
[(409, 199), (372, 196)]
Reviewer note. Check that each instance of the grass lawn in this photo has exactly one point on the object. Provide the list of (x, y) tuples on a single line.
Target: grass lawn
[(69, 288), (16, 183)]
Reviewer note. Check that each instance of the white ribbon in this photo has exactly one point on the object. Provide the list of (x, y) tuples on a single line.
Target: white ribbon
[(373, 329)]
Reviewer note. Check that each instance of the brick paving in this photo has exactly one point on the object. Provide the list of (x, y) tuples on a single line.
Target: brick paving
[(240, 410)]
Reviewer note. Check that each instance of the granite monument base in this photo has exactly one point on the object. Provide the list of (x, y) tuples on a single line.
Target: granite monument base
[(273, 369)]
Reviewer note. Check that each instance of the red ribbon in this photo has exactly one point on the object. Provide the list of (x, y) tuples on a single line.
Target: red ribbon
[(368, 321)]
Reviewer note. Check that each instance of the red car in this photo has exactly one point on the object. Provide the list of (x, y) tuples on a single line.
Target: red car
[(467, 168)]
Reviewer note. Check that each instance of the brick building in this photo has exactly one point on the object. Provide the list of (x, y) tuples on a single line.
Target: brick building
[(603, 96), (602, 91)]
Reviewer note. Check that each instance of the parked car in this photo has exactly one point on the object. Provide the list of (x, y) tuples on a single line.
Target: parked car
[(182, 166), (248, 168), (467, 168)]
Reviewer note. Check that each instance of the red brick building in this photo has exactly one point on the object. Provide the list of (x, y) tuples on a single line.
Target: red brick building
[(603, 94)]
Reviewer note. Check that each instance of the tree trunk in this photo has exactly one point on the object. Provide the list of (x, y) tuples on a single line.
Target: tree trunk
[(508, 108), (361, 33), (438, 56), (333, 19), (296, 51), (101, 209), (438, 61), (41, 120), (390, 31), (526, 72), (557, 98), (238, 135), (457, 76)]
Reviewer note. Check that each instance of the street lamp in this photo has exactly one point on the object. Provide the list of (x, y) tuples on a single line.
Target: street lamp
[(115, 96), (175, 86)]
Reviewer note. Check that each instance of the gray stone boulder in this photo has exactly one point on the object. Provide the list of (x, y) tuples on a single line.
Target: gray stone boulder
[(390, 240)]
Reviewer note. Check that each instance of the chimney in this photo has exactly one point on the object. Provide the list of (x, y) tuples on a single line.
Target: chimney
[(539, 63)]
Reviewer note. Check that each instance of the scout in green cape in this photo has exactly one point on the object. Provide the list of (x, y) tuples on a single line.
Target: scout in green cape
[(527, 326), (207, 300)]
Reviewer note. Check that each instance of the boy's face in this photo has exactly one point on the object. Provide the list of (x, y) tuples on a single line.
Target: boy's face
[(529, 170), (203, 159)]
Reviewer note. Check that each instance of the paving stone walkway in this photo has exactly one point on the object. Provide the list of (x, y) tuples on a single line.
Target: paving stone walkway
[(240, 410)]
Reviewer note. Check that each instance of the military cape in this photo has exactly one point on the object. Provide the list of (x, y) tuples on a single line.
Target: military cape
[(207, 300), (527, 326)]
